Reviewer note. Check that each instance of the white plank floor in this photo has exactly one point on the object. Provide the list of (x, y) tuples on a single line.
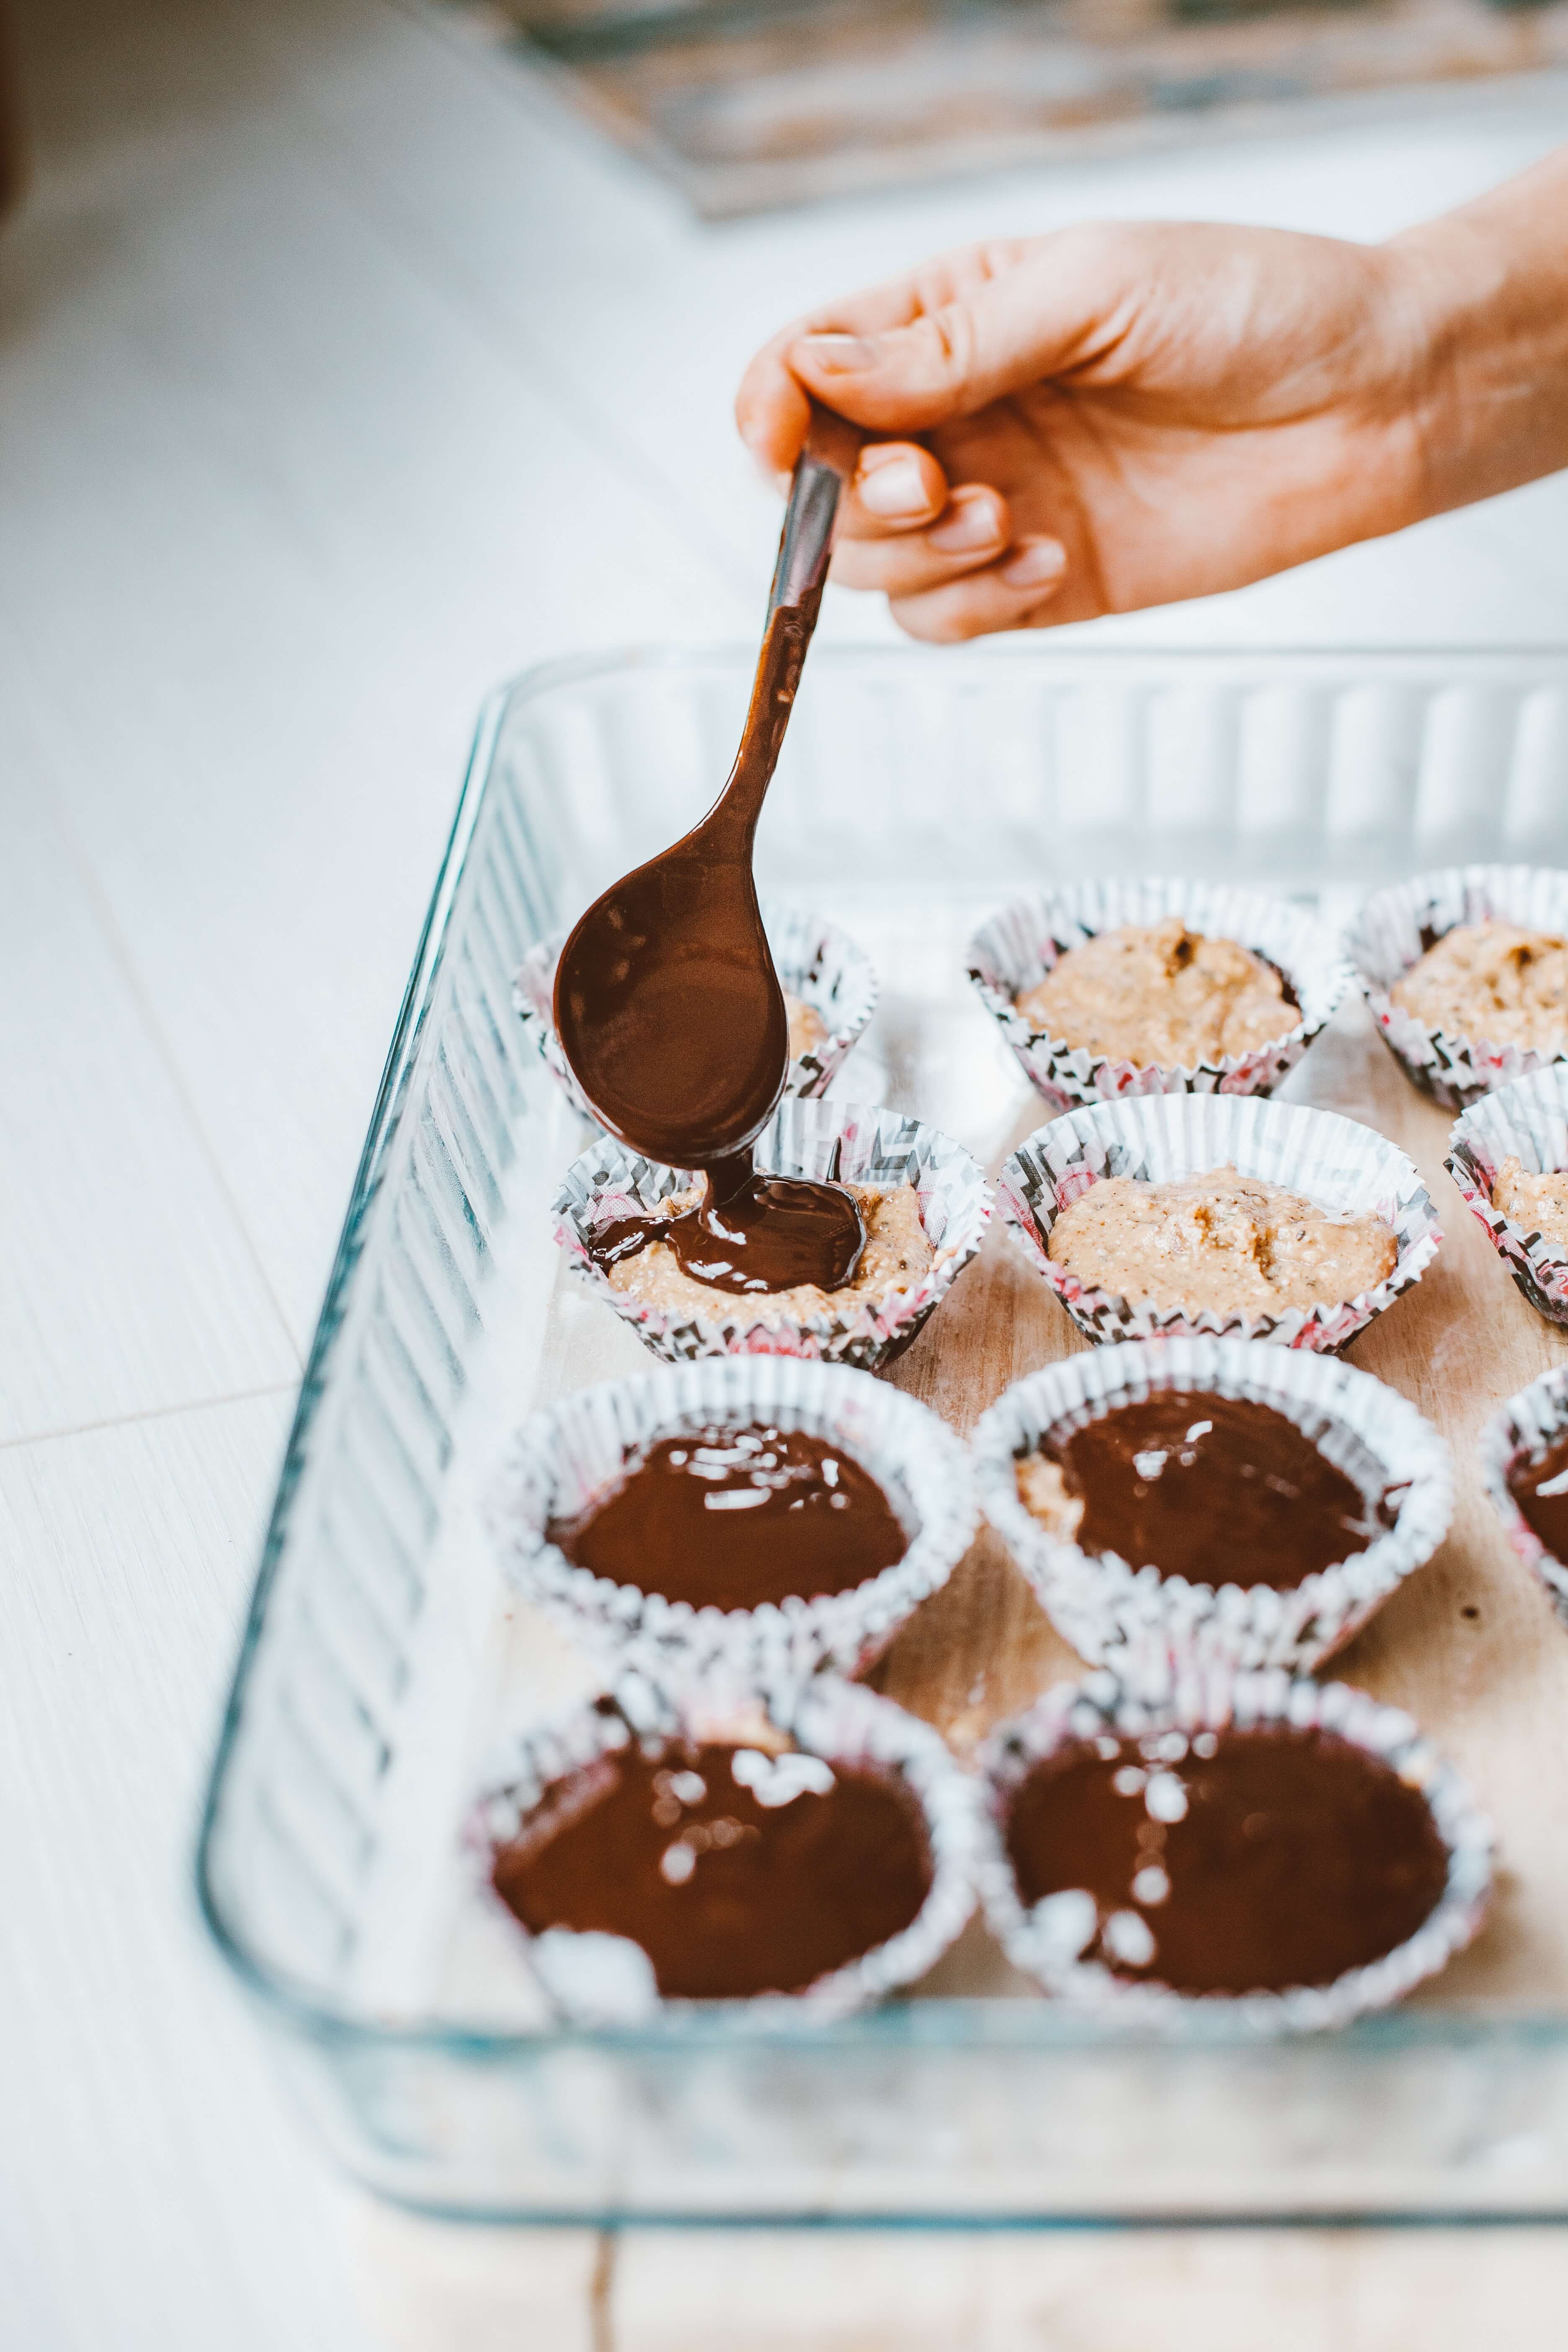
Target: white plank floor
[(342, 371)]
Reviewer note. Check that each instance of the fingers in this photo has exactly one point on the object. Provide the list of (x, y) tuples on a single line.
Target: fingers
[(1015, 594), (898, 486), (971, 530), (944, 363)]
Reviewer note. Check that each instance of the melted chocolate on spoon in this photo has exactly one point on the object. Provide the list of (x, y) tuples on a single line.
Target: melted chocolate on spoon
[(729, 1518), (737, 1873), (1541, 1490), (1220, 1490), (667, 1003), (1256, 1861)]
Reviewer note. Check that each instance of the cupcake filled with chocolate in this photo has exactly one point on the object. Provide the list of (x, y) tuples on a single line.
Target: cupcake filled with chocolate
[(829, 985), (1181, 1216), (848, 1230), (808, 1856), (1466, 972), (1509, 1156), (1524, 1462), (755, 1513), (1294, 1851), (1255, 1503), (1112, 988)]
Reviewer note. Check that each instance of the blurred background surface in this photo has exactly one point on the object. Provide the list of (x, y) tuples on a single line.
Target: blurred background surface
[(346, 366)]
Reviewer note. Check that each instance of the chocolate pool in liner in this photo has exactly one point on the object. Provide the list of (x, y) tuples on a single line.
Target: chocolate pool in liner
[(1331, 1160), (1526, 1120), (1522, 1430), (846, 1143), (564, 1458), (1163, 1698), (1103, 1605), (815, 961), (1393, 932), (1014, 951), (599, 1979)]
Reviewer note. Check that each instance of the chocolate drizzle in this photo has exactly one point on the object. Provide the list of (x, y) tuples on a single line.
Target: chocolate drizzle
[(766, 1233), (1220, 1490), (1248, 1862), (1541, 1490), (738, 1872), (667, 1003), (729, 1518)]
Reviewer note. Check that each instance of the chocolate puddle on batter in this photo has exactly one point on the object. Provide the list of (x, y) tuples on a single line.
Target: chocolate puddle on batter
[(729, 1518), (738, 1872), (1256, 1861), (1541, 1490), (1220, 1490), (751, 1233)]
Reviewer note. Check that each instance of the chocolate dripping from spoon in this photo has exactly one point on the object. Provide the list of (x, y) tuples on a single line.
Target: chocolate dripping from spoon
[(667, 1003)]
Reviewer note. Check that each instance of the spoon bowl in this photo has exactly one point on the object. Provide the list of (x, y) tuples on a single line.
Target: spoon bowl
[(667, 1003)]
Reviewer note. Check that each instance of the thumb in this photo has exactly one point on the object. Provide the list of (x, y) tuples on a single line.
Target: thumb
[(992, 340)]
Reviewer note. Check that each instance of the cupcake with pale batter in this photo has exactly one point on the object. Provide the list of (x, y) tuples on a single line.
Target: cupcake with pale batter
[(829, 987), (1210, 1213), (1117, 988), (1466, 972), (634, 1231), (1509, 1156)]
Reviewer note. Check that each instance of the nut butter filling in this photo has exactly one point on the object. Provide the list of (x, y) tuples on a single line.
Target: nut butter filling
[(1493, 982), (1160, 994), (1219, 1240), (1538, 1204)]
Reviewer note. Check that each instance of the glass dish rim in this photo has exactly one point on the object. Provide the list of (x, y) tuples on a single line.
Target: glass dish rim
[(937, 2025)]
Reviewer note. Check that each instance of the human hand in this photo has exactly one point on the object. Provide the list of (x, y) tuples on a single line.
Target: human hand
[(1111, 416)]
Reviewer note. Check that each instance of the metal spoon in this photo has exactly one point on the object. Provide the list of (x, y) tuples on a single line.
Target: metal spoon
[(667, 1003)]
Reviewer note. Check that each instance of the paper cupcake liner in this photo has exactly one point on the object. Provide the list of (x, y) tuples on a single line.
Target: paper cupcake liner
[(815, 961), (845, 1141), (1524, 1427), (1393, 932), (1332, 1160), (563, 1458), (841, 1723), (1016, 949), (1104, 1605), (1526, 1120), (1210, 1694)]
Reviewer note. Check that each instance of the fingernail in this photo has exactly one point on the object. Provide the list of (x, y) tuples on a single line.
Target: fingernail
[(839, 354), (968, 524), (895, 489), (1038, 562)]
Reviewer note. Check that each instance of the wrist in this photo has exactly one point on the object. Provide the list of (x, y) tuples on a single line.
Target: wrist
[(1485, 292)]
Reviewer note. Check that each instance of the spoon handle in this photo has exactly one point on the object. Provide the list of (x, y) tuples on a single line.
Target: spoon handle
[(823, 470)]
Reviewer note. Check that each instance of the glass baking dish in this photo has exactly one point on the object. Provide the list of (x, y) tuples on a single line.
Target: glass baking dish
[(382, 1665)]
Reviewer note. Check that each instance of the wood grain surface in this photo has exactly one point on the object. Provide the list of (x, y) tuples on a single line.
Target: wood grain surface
[(1469, 1644)]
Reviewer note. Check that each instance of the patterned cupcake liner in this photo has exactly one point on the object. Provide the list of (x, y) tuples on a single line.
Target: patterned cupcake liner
[(598, 1980), (1522, 1429), (1393, 932), (844, 1142), (1331, 1160), (1105, 1605), (815, 961), (1162, 1700), (1526, 1120), (1014, 951), (564, 1458)]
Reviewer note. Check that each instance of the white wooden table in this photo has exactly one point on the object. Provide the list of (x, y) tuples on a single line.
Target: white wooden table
[(342, 373)]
